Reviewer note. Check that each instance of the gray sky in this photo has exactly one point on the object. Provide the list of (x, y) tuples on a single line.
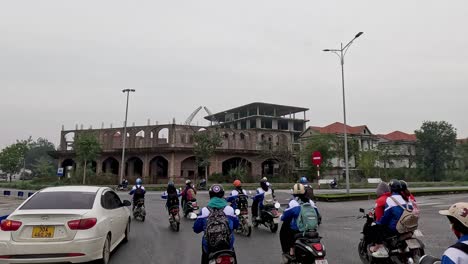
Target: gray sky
[(65, 62)]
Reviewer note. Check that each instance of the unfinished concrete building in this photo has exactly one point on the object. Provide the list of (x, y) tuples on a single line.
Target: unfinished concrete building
[(159, 152)]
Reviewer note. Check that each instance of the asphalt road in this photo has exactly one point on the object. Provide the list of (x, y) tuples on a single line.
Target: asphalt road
[(154, 242)]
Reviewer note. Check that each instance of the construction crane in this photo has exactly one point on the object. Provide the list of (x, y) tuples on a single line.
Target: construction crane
[(196, 111), (213, 119)]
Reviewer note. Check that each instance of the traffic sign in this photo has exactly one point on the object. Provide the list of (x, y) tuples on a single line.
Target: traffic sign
[(60, 172), (316, 158)]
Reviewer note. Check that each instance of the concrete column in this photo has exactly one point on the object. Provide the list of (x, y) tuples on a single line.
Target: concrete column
[(256, 169), (274, 124), (146, 169), (259, 123), (258, 110), (131, 169), (231, 126), (290, 125), (239, 125), (98, 166), (248, 123), (171, 171)]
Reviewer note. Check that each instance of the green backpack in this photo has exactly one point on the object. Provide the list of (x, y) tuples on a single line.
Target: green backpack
[(307, 220)]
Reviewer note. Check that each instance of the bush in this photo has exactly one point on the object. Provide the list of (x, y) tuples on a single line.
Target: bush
[(456, 175)]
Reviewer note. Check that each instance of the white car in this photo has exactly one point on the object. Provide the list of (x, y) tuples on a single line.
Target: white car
[(70, 224)]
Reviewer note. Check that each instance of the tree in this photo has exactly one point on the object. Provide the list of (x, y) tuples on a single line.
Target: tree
[(462, 154), (324, 143), (367, 160), (87, 148), (435, 146), (205, 145), (280, 154), (38, 151), (353, 148), (12, 157), (42, 167)]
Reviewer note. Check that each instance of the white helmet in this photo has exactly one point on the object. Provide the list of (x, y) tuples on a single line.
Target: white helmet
[(298, 188)]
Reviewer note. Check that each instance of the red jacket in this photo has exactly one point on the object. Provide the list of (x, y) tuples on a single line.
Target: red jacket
[(380, 205)]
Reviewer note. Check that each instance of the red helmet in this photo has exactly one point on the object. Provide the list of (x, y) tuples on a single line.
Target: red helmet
[(237, 183)]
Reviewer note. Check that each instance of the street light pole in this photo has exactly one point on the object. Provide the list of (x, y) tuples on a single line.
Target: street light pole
[(122, 163), (341, 53)]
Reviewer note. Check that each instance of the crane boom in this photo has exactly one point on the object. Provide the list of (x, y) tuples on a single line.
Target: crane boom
[(192, 116)]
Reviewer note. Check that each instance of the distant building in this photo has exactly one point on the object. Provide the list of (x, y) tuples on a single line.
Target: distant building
[(400, 148), (161, 152)]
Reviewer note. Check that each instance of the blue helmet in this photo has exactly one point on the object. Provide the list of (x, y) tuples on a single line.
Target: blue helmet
[(139, 181), (303, 180)]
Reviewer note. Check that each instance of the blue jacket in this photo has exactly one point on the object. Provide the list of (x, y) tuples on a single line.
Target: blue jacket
[(200, 224), (393, 211), (455, 256), (231, 199), (291, 214)]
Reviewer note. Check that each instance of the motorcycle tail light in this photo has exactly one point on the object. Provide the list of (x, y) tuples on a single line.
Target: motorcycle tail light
[(317, 246), (225, 260)]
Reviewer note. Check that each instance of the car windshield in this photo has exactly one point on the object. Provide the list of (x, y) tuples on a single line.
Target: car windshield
[(60, 200)]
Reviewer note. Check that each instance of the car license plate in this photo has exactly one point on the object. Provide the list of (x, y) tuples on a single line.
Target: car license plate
[(412, 243), (321, 261), (43, 232)]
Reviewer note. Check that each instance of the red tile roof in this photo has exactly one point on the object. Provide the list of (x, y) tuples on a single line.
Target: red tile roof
[(338, 128), (399, 136)]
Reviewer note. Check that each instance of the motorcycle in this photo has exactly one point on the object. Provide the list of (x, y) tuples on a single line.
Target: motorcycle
[(307, 249), (222, 257), (334, 184), (139, 212), (269, 217), (244, 226), (191, 210), (202, 185), (174, 218), (403, 249), (121, 188), (426, 259)]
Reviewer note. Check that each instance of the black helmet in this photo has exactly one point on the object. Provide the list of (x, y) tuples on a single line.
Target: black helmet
[(216, 190), (404, 185), (395, 186), (170, 184)]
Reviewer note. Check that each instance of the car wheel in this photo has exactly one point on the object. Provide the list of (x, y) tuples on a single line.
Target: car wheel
[(127, 232), (106, 251)]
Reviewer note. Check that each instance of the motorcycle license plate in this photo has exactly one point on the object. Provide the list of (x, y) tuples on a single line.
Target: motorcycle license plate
[(413, 243), (321, 261)]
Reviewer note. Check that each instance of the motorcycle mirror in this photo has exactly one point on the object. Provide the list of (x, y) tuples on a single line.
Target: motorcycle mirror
[(361, 210), (237, 211), (277, 205)]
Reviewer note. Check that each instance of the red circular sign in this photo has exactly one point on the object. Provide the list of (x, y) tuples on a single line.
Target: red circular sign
[(316, 158)]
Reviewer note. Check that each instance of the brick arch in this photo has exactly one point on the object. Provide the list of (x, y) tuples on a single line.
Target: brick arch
[(236, 162)]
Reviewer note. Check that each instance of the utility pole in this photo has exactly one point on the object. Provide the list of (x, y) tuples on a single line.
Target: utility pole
[(124, 136)]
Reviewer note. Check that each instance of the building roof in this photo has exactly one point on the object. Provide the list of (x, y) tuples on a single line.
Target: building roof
[(281, 110), (462, 141), (338, 128), (399, 136)]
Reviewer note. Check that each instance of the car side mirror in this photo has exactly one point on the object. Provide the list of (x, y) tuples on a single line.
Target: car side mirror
[(361, 210), (126, 203)]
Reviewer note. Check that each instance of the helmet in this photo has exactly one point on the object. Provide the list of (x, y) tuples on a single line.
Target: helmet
[(303, 180), (459, 211), (188, 182), (404, 185), (382, 188), (237, 183), (395, 186), (264, 179), (171, 183), (216, 190), (298, 189), (139, 181)]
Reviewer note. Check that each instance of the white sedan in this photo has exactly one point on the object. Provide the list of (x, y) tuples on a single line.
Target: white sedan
[(65, 224)]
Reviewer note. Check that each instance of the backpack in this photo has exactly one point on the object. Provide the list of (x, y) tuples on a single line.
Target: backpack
[(268, 198), (173, 199), (307, 220), (242, 201), (461, 246), (217, 233), (408, 221), (139, 192)]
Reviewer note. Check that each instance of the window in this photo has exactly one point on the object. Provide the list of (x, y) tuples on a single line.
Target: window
[(60, 200), (110, 200)]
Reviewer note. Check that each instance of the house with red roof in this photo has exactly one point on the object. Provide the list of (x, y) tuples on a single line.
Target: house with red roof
[(398, 150)]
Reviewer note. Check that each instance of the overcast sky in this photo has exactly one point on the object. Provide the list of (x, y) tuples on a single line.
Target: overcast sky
[(66, 62)]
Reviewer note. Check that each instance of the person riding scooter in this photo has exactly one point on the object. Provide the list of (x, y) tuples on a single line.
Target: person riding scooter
[(172, 196), (189, 193), (238, 191), (457, 215), (263, 197), (138, 192)]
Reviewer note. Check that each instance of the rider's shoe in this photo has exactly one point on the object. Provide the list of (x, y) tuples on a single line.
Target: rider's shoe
[(381, 252)]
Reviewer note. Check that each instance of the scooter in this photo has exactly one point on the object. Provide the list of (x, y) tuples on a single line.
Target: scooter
[(139, 213), (307, 249), (404, 248), (222, 257), (269, 217), (174, 218), (426, 259), (244, 226)]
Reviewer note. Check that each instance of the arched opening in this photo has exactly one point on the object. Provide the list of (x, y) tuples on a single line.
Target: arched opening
[(190, 170), (69, 140), (117, 140), (237, 166), (110, 166), (159, 169), (270, 167), (163, 136), (140, 139), (133, 168), (202, 129), (68, 166)]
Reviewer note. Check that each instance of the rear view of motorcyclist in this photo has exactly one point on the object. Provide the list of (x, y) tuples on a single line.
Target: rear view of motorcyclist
[(188, 194), (138, 192), (291, 223), (235, 193), (217, 221), (172, 196), (263, 197), (309, 191), (458, 217)]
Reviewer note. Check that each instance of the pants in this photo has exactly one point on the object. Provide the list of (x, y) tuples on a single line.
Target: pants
[(287, 237), (255, 208)]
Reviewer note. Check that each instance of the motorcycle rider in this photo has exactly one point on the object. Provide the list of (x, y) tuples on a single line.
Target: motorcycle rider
[(290, 228), (372, 232), (309, 191), (457, 214), (215, 205), (188, 194), (391, 217), (138, 191), (235, 193), (383, 192), (172, 196), (264, 196)]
